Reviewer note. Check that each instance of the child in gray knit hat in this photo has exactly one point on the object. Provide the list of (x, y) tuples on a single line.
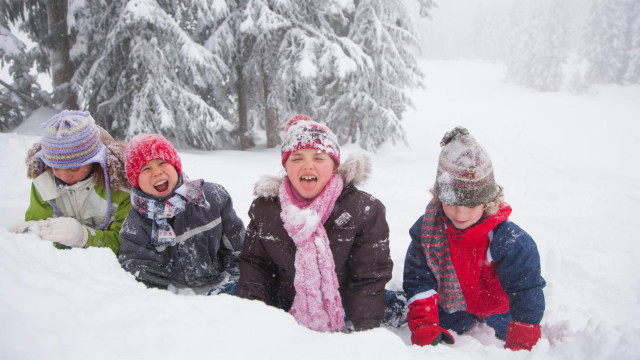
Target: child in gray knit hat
[(467, 262)]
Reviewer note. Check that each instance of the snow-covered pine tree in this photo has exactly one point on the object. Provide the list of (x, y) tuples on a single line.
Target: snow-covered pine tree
[(365, 104), (606, 42), (24, 93), (293, 44), (233, 46), (632, 75), (45, 23), (151, 77), (490, 32), (260, 29), (11, 113), (538, 44), (20, 97), (426, 6), (89, 24)]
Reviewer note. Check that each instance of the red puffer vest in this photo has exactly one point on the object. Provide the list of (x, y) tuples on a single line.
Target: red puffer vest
[(478, 276)]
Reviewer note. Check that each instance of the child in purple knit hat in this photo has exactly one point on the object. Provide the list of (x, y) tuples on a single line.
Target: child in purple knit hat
[(79, 194), (317, 246)]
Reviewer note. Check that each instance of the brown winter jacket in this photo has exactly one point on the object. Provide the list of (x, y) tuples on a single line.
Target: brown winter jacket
[(359, 240)]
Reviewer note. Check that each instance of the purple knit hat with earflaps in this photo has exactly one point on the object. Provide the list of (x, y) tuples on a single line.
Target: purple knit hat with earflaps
[(72, 139)]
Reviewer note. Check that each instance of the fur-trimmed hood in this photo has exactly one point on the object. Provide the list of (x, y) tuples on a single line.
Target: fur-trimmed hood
[(355, 170), (115, 162)]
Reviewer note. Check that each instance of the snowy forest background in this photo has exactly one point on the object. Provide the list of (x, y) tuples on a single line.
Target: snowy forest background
[(565, 155), (220, 74)]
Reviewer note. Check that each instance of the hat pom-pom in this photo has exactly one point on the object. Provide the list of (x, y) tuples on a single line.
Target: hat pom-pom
[(450, 135), (294, 120)]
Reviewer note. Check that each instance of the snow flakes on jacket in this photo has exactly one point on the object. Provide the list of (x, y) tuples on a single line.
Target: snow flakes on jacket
[(208, 241), (358, 237)]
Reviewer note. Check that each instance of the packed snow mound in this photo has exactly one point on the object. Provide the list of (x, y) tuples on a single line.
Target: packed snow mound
[(566, 163)]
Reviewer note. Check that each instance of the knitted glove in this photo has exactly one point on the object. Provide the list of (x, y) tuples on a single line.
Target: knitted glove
[(64, 230), (423, 322), (522, 336), (27, 227)]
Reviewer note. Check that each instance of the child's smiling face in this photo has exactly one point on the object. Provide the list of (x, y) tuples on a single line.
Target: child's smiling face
[(463, 217), (309, 171), (158, 178)]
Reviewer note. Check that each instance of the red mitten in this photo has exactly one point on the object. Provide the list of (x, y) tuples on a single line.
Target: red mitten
[(522, 336), (423, 322)]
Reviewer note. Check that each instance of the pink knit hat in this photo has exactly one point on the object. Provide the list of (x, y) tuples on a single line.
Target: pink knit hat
[(144, 148), (301, 132)]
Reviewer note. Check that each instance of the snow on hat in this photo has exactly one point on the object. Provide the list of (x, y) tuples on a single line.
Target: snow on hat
[(301, 132), (146, 147), (465, 173), (72, 139)]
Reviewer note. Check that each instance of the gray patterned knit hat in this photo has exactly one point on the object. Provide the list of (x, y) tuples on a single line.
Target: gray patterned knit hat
[(465, 173)]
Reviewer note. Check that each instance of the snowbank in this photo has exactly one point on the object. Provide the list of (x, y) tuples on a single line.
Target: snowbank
[(569, 167)]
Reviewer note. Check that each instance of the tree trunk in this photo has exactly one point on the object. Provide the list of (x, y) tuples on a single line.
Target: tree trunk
[(243, 127), (61, 66), (270, 113), (352, 126)]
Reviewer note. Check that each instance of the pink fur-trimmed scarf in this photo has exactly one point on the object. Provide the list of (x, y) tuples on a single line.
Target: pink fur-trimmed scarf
[(317, 304)]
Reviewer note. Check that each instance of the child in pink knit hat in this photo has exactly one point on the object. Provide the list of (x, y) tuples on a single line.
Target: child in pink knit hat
[(79, 194), (180, 235), (467, 262), (317, 246)]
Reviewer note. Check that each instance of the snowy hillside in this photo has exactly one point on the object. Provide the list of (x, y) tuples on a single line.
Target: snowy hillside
[(569, 165)]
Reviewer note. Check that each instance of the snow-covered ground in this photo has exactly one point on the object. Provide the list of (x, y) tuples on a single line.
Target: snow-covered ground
[(569, 165)]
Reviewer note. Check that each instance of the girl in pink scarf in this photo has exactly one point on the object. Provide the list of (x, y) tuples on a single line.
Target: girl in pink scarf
[(307, 196), (336, 235)]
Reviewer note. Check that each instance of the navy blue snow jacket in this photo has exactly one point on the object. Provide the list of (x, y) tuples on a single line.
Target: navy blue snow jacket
[(518, 268), (209, 243)]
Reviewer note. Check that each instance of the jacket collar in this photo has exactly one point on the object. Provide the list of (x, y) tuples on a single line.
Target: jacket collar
[(355, 171), (46, 185)]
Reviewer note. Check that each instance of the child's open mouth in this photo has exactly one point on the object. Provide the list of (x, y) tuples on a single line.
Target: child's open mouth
[(162, 186), (308, 182)]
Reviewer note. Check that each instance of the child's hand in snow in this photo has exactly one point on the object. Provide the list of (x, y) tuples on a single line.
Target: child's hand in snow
[(64, 230), (27, 227), (521, 336)]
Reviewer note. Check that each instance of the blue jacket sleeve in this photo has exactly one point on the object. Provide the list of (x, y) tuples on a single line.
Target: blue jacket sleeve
[(518, 265), (417, 276), (138, 257), (232, 233)]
